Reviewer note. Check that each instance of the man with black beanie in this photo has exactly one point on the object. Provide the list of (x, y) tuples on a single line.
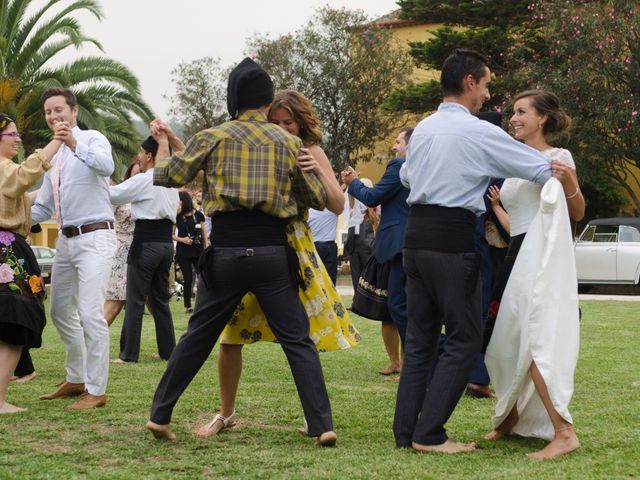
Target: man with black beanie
[(153, 211), (253, 188)]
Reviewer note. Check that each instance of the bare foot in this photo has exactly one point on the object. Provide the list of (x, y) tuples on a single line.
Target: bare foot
[(8, 408), (162, 432), (505, 427), (565, 441), (390, 369), (327, 439), (118, 361), (450, 446), (393, 379), (26, 378)]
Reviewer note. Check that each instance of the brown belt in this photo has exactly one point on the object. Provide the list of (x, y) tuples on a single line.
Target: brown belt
[(91, 227)]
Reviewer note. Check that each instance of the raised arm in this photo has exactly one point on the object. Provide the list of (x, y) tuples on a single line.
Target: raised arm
[(16, 179), (182, 167)]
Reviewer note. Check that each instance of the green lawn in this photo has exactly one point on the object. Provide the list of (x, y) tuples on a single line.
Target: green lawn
[(111, 443)]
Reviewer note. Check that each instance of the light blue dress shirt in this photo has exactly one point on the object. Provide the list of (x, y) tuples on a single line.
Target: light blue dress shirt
[(452, 156), (84, 183)]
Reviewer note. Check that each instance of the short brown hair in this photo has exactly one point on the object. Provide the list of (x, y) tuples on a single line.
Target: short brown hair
[(68, 95), (546, 103)]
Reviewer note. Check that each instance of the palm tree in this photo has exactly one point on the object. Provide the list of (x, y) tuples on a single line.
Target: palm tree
[(108, 93)]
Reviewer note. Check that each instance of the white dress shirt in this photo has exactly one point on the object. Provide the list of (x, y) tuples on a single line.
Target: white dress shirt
[(148, 201), (84, 183), (354, 215), (452, 156), (323, 225)]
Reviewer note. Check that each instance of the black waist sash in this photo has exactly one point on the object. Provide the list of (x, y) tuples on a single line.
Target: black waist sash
[(153, 231), (432, 227)]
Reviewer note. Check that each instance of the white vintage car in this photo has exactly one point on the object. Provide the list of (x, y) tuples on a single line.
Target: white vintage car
[(608, 252)]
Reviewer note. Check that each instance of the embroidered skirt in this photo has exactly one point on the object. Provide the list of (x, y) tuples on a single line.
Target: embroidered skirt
[(22, 294)]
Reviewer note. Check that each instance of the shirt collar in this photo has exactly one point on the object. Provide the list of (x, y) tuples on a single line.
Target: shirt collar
[(452, 107), (252, 116)]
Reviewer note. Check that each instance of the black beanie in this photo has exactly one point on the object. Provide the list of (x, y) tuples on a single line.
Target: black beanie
[(150, 145), (249, 87)]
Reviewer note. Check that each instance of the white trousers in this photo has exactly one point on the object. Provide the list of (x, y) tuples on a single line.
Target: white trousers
[(79, 279)]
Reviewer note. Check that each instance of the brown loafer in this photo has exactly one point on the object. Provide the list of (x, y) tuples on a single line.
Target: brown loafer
[(88, 401), (479, 391), (65, 389)]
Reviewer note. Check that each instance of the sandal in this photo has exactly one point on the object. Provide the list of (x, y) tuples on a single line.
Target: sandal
[(209, 429)]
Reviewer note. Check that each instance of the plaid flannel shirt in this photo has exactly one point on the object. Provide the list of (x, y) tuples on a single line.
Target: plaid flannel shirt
[(250, 164)]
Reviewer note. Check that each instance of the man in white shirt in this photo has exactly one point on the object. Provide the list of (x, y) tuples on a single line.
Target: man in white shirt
[(153, 210), (76, 191), (451, 158), (324, 227)]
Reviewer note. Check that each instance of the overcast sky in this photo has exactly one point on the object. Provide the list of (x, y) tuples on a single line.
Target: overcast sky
[(152, 36)]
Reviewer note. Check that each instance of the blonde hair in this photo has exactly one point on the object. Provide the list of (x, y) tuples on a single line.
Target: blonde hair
[(302, 111)]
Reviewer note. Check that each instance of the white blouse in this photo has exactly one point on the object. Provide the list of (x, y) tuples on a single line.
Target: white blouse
[(521, 198)]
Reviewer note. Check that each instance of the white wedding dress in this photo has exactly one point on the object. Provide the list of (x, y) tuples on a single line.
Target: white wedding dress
[(538, 321)]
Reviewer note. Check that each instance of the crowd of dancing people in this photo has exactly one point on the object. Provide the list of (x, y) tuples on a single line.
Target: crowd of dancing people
[(471, 225)]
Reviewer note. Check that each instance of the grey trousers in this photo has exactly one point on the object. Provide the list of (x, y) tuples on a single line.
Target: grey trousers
[(441, 288), (148, 277)]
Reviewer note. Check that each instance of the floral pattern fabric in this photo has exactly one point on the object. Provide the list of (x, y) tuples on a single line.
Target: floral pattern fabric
[(14, 277), (117, 287), (330, 325)]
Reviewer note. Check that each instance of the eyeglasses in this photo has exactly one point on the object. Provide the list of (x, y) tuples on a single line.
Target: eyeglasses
[(10, 134)]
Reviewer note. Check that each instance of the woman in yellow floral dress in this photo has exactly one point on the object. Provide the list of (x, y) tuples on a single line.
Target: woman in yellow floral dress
[(330, 326), (22, 316)]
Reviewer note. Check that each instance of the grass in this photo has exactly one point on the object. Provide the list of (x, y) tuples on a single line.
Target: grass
[(111, 443)]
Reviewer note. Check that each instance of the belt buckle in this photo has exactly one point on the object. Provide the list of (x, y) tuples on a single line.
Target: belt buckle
[(249, 252)]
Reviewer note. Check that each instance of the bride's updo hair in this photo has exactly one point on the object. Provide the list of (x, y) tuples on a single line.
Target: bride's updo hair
[(546, 103)]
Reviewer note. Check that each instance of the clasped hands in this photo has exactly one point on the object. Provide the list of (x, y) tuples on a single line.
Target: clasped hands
[(348, 175)]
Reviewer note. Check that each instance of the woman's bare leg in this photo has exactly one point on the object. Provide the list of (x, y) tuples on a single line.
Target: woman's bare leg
[(111, 310), (391, 341), (9, 356), (229, 371), (505, 427), (565, 439)]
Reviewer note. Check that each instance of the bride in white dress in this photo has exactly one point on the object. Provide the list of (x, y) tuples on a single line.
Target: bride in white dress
[(534, 346)]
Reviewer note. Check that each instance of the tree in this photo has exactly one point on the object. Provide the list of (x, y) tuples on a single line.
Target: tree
[(199, 101), (108, 93), (593, 65), (534, 45), (347, 67)]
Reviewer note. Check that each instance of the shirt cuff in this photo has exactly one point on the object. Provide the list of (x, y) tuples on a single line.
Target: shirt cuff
[(39, 154)]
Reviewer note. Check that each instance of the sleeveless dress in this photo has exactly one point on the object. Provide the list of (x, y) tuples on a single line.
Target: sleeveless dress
[(117, 288), (330, 325)]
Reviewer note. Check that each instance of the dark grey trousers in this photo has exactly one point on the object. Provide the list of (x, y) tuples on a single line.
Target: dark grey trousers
[(148, 277), (234, 272), (442, 288)]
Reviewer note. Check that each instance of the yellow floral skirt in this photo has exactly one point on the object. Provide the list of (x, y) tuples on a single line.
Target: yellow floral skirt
[(330, 325)]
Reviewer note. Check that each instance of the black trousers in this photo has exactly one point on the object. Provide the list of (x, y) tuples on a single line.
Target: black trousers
[(148, 277), (234, 272), (328, 253), (441, 288), (25, 364), (186, 267)]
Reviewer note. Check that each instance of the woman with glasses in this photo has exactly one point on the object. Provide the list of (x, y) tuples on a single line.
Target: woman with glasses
[(22, 316)]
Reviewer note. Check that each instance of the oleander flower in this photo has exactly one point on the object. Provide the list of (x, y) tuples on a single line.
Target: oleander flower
[(6, 273), (6, 238), (35, 282)]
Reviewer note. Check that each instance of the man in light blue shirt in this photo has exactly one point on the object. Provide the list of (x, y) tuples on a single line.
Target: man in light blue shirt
[(76, 192), (451, 158)]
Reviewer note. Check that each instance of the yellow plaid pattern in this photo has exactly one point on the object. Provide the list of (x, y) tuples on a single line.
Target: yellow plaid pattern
[(250, 164)]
